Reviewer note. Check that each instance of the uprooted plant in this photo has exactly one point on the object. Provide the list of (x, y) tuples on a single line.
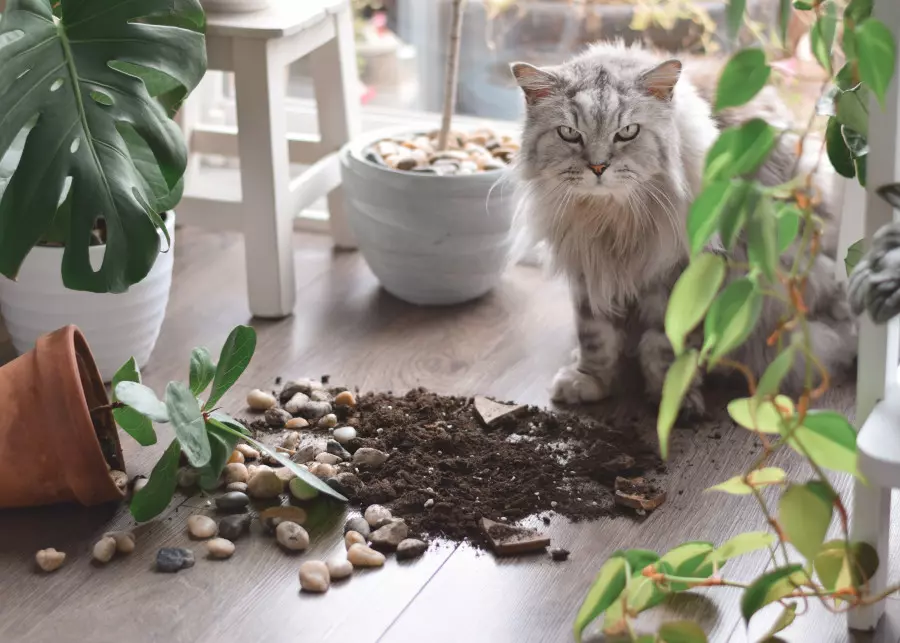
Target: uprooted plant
[(834, 572), (206, 435)]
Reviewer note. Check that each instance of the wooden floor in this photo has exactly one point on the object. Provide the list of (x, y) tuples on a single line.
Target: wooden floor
[(507, 345)]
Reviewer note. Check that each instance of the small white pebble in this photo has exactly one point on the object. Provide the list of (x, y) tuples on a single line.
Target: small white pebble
[(537, 493), (577, 499), (430, 469), (49, 559), (594, 503), (104, 549), (379, 430), (429, 503), (554, 504), (201, 527), (219, 548), (503, 518), (390, 408)]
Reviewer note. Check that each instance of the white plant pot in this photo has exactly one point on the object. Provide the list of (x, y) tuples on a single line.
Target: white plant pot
[(430, 240), (234, 6), (117, 326)]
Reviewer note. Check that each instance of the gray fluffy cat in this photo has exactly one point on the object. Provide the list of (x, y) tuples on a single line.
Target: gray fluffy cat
[(612, 155)]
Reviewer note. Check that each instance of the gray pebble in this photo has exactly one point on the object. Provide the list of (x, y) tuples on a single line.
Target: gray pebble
[(559, 554), (237, 486), (233, 527), (172, 559), (389, 536), (292, 387), (276, 417), (411, 548), (328, 458), (359, 525), (368, 457), (233, 501), (335, 447), (320, 396), (314, 410), (328, 421), (377, 516), (296, 402)]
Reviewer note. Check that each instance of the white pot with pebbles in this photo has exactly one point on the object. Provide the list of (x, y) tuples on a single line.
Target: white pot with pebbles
[(429, 223)]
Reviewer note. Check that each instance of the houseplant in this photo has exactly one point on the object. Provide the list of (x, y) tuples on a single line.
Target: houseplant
[(432, 234), (835, 572), (92, 165)]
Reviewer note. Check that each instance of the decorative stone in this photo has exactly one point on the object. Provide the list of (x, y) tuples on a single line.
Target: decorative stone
[(235, 472), (290, 441), (559, 554), (328, 421), (429, 503), (277, 418), (236, 486), (219, 548), (314, 576), (334, 447), (368, 457), (233, 527), (249, 452), (491, 412), (344, 434), (345, 398), (285, 475), (292, 387), (264, 485), (202, 527), (296, 423), (308, 450), (389, 536), (173, 559), (125, 542), (291, 536), (274, 516), (322, 470), (353, 538), (320, 396), (233, 501), (345, 483), (359, 525), (297, 402), (104, 549), (49, 560), (362, 556), (314, 410), (139, 483), (409, 548), (120, 478), (328, 458), (301, 490), (236, 456), (377, 516), (339, 568), (187, 477), (259, 400)]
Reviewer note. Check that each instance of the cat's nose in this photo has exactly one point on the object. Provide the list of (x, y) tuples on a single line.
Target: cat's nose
[(598, 168)]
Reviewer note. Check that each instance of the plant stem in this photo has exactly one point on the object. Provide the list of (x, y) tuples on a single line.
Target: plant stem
[(452, 80), (107, 407)]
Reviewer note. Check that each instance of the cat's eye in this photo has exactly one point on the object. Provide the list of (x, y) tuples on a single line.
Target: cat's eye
[(569, 134), (628, 132)]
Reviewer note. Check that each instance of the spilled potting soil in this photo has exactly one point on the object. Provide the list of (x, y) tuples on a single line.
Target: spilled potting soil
[(447, 469)]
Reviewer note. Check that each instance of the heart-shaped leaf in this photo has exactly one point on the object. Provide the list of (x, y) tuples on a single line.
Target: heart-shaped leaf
[(233, 360), (187, 419), (877, 54), (738, 486), (745, 74), (202, 370), (678, 380), (133, 422), (743, 544), (142, 399), (769, 588), (804, 514), (739, 150), (607, 587), (157, 493), (691, 297)]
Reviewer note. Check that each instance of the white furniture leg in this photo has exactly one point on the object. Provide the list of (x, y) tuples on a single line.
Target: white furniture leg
[(262, 140), (871, 524), (337, 97)]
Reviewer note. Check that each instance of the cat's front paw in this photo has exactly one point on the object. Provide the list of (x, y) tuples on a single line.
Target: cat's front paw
[(571, 386)]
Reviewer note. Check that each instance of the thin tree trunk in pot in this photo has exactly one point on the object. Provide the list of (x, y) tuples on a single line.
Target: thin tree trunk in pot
[(452, 78)]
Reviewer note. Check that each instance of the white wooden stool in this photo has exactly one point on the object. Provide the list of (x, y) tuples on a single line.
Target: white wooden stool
[(258, 47)]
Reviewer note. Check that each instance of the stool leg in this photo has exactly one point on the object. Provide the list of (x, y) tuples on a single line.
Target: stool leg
[(260, 91), (871, 524), (335, 78)]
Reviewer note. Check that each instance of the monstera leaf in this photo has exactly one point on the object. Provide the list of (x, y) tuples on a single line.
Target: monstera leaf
[(87, 88)]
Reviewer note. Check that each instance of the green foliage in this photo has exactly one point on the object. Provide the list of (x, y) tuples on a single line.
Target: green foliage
[(770, 587), (607, 587), (703, 218), (776, 372), (739, 150), (840, 567), (788, 614), (854, 253), (744, 485), (743, 544), (678, 381), (731, 318), (742, 79), (877, 54), (829, 440), (838, 152), (206, 437), (691, 297), (821, 36), (76, 84), (734, 17), (681, 632), (765, 416), (132, 422), (805, 514)]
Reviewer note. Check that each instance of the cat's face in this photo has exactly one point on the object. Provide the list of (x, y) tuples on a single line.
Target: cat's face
[(597, 130)]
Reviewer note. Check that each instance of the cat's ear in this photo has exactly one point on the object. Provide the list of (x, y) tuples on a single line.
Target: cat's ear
[(660, 81), (536, 83)]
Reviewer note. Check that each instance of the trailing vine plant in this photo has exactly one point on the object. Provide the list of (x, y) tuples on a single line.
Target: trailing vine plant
[(834, 572)]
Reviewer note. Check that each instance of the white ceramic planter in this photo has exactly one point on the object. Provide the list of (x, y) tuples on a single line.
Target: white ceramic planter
[(234, 6), (117, 327), (430, 240)]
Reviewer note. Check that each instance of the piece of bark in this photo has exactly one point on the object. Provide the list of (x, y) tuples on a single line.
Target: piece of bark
[(508, 540), (491, 412), (637, 493)]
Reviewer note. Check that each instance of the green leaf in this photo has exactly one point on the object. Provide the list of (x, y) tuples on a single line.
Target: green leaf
[(221, 446), (142, 399), (731, 318), (770, 416), (858, 10), (734, 16), (681, 632), (771, 380), (51, 73), (804, 514), (801, 5), (784, 19), (788, 225), (190, 428), (890, 193), (689, 560), (644, 593), (769, 588), (854, 253), (230, 422), (607, 587), (734, 214), (703, 217), (637, 559), (877, 54), (164, 197), (838, 569), (133, 422), (784, 620), (157, 493), (856, 143), (764, 477), (743, 544), (861, 169), (234, 358), (853, 111), (678, 380), (829, 439), (745, 74), (762, 238), (739, 150), (822, 36), (838, 153), (691, 297), (202, 370)]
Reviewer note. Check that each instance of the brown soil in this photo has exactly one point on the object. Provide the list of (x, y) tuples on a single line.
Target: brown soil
[(439, 450)]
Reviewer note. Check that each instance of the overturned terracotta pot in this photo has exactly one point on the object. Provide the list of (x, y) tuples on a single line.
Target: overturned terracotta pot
[(53, 450)]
